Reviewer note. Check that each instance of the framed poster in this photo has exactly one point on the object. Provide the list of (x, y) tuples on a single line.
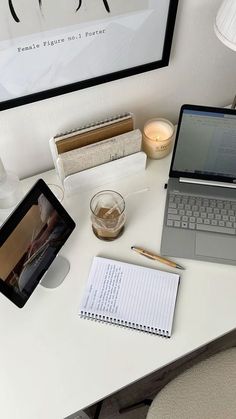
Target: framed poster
[(51, 47)]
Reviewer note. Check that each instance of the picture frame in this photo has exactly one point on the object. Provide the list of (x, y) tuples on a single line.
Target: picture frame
[(51, 47)]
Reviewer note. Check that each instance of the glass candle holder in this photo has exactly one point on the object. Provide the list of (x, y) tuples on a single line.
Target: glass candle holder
[(158, 134)]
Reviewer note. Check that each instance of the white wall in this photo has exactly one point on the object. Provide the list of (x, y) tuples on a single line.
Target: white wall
[(201, 71)]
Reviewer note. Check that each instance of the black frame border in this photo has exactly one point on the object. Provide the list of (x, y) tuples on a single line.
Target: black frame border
[(69, 88)]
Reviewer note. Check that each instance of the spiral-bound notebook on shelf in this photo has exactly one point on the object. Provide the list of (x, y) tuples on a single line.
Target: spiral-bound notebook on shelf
[(131, 296)]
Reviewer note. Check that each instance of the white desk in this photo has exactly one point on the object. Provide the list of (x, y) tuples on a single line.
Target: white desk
[(53, 363)]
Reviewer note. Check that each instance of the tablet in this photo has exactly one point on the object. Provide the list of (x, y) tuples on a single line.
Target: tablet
[(30, 239)]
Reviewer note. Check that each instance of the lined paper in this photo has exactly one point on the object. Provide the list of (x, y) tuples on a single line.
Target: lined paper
[(130, 295)]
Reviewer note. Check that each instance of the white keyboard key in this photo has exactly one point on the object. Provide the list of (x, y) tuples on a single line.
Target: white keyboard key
[(210, 216), (177, 223), (173, 217), (172, 211)]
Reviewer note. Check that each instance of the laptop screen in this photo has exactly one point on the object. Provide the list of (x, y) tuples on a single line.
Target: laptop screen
[(206, 143)]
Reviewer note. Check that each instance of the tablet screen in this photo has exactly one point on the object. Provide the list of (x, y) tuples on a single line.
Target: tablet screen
[(30, 240)]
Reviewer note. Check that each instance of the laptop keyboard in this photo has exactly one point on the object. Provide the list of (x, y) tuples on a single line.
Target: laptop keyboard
[(201, 213)]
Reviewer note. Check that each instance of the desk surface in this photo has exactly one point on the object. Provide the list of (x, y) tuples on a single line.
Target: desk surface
[(53, 363)]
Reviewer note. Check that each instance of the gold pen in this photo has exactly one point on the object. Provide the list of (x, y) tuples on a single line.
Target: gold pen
[(156, 257)]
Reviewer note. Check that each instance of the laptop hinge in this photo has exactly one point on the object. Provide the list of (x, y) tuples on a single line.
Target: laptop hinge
[(207, 182)]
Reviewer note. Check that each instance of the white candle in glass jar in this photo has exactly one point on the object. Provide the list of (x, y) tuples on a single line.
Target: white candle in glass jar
[(157, 137)]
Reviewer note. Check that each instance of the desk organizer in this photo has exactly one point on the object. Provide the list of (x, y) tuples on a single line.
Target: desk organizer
[(107, 172), (99, 153)]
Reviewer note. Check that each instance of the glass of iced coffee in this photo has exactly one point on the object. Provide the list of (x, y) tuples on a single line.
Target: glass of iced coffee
[(107, 214)]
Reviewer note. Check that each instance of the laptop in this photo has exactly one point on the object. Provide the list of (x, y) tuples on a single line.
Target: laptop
[(200, 212)]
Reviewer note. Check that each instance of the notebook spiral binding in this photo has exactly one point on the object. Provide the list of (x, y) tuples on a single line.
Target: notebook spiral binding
[(122, 323), (94, 124)]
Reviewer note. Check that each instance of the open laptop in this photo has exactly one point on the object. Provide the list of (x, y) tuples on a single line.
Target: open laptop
[(200, 212)]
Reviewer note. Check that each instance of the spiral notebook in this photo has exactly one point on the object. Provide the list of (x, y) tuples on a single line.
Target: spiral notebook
[(93, 133), (131, 296)]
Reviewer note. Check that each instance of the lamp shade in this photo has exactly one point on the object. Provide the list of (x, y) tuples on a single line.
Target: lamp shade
[(225, 24)]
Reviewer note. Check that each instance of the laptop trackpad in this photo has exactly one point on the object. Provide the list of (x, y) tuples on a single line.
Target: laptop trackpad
[(215, 245)]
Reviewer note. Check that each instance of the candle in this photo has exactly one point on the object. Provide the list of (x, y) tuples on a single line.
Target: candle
[(157, 137)]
